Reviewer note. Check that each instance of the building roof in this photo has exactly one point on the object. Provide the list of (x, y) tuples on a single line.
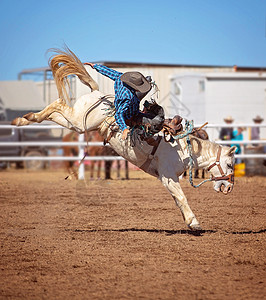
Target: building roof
[(255, 75), (116, 64), (223, 76), (162, 65)]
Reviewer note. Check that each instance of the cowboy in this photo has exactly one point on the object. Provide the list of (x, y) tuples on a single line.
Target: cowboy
[(130, 88), (238, 136), (226, 133), (255, 131)]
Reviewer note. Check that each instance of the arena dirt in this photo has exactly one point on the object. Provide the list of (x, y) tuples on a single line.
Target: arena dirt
[(122, 239)]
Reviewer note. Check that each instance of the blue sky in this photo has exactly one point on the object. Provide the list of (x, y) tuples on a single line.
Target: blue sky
[(206, 32)]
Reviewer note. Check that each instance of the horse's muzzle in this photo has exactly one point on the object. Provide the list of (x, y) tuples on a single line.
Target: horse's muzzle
[(223, 186)]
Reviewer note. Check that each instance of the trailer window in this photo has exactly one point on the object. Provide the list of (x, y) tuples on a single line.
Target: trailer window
[(201, 86)]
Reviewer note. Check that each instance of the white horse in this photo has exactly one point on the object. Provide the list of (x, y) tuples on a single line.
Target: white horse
[(164, 160)]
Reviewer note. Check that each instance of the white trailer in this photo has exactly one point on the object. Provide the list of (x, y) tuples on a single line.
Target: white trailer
[(213, 96)]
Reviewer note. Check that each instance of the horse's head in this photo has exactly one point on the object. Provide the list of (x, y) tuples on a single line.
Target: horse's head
[(222, 170)]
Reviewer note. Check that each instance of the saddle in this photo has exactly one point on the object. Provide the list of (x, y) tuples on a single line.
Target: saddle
[(173, 126), (169, 127), (200, 133)]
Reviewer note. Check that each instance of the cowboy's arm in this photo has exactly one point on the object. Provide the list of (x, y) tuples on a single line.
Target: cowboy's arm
[(122, 125), (112, 74), (119, 117)]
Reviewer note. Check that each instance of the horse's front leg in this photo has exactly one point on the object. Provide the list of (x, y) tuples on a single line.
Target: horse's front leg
[(173, 186)]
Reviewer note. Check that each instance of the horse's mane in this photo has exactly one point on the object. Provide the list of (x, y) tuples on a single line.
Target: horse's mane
[(66, 63), (208, 147)]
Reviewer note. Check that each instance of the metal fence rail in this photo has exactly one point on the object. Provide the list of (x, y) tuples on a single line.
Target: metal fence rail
[(58, 158), (50, 144), (47, 126), (82, 144)]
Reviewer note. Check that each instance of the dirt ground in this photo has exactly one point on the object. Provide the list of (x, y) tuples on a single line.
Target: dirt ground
[(122, 239)]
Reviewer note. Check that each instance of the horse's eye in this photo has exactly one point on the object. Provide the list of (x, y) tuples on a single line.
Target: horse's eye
[(230, 166)]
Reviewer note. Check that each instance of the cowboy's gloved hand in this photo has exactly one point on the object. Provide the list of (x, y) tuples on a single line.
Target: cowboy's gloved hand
[(89, 64), (125, 133)]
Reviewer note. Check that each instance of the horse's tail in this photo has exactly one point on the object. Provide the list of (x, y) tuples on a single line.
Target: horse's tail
[(67, 63)]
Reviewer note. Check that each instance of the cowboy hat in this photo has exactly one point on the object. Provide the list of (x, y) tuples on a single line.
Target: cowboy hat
[(137, 81), (228, 119), (258, 119)]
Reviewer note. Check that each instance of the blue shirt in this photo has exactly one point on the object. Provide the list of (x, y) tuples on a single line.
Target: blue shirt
[(126, 102), (237, 137)]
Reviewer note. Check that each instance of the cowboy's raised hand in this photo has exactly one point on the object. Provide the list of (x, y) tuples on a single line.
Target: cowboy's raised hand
[(125, 134), (89, 64)]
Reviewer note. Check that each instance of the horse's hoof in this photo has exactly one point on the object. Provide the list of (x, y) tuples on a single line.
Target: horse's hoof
[(194, 225), (16, 122), (29, 116)]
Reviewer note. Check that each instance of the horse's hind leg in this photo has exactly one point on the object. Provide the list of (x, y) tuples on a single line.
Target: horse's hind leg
[(91, 169), (58, 106), (99, 166), (118, 168), (31, 117), (54, 117), (126, 169), (58, 112), (21, 122), (107, 168), (175, 190)]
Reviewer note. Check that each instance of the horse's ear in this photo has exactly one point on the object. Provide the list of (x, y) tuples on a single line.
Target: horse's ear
[(231, 151)]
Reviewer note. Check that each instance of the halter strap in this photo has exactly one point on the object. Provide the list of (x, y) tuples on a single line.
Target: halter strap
[(217, 162), (229, 178)]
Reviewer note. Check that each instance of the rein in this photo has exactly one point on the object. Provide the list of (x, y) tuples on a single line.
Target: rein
[(229, 178), (191, 165)]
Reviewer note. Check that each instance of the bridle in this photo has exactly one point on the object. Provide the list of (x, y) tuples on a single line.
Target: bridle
[(188, 131), (229, 178)]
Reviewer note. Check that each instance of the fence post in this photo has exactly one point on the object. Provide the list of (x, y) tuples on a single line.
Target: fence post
[(81, 155)]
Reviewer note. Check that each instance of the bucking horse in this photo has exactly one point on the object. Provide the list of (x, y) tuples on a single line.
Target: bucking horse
[(162, 158)]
